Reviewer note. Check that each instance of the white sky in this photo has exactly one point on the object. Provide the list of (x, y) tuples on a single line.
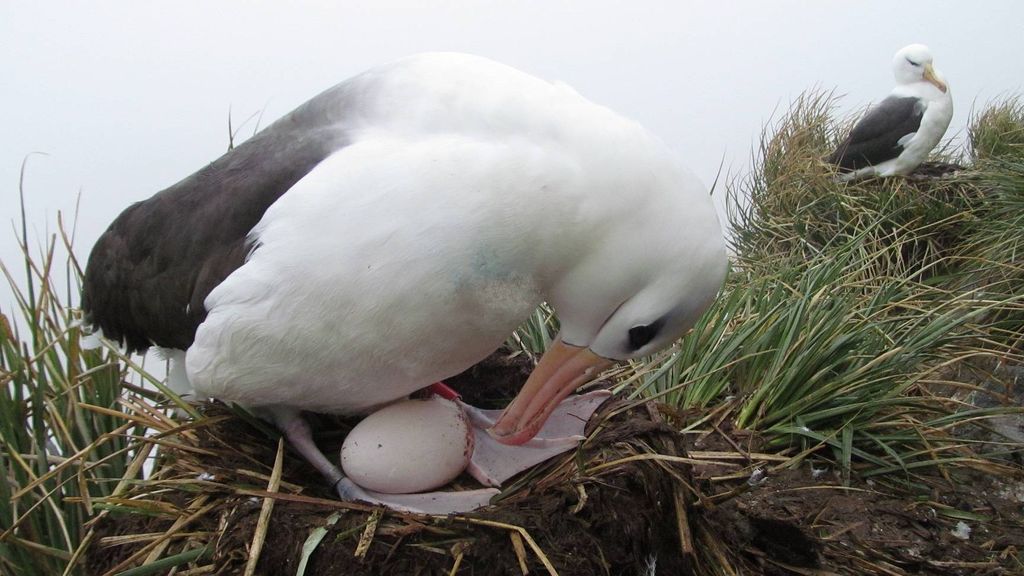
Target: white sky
[(126, 98)]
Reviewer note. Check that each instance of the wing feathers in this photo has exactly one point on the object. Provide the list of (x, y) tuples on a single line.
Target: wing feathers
[(881, 134), (150, 272)]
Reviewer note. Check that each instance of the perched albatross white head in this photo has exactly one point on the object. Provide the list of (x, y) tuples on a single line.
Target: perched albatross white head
[(896, 135), (392, 232)]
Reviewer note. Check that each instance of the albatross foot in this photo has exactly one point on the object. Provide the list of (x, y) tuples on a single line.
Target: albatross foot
[(493, 462), (434, 503)]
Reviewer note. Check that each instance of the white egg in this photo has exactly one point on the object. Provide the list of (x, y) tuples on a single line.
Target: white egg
[(409, 446)]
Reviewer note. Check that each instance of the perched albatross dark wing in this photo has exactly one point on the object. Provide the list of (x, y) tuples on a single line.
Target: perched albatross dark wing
[(881, 134), (896, 135), (394, 231)]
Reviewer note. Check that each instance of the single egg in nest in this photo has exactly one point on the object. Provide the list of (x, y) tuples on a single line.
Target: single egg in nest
[(407, 447)]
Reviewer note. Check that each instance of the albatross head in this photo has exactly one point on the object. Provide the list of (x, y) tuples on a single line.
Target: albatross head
[(638, 289), (914, 64)]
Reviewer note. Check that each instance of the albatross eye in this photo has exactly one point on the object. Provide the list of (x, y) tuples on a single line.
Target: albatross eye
[(912, 63), (639, 336)]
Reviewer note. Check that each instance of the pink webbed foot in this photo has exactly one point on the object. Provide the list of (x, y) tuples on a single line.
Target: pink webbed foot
[(434, 503), (492, 462)]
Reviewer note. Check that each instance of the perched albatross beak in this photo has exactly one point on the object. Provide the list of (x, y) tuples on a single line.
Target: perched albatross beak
[(562, 369), (929, 75)]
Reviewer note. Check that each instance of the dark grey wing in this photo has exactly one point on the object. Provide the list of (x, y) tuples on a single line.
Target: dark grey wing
[(149, 273), (875, 138)]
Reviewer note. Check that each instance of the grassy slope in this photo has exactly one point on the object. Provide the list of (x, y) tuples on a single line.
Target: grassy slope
[(848, 302)]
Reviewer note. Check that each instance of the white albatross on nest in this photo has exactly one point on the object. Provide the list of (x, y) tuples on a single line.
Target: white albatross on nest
[(896, 136), (395, 230)]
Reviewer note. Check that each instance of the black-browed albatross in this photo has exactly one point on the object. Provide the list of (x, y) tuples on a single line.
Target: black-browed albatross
[(896, 136), (393, 231)]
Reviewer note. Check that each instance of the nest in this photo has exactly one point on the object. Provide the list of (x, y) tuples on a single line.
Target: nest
[(227, 497), (607, 508)]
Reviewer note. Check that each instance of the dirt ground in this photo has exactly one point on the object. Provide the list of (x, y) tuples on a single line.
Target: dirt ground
[(647, 512), (804, 521)]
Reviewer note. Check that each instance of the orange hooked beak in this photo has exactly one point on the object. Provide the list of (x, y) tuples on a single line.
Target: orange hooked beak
[(929, 75), (561, 370)]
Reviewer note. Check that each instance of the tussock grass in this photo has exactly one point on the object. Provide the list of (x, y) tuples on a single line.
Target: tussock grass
[(790, 207), (997, 132), (825, 353), (991, 254), (66, 441), (536, 334), (846, 297)]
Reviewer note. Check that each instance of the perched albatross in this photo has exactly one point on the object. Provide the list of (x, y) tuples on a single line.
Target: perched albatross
[(895, 136), (393, 231)]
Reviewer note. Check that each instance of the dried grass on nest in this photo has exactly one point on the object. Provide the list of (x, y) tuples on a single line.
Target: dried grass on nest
[(605, 509), (227, 499)]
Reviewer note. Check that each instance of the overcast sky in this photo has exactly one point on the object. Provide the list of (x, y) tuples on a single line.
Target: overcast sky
[(126, 98)]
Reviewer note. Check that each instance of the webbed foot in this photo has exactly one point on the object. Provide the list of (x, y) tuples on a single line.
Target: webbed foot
[(435, 503), (493, 462)]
